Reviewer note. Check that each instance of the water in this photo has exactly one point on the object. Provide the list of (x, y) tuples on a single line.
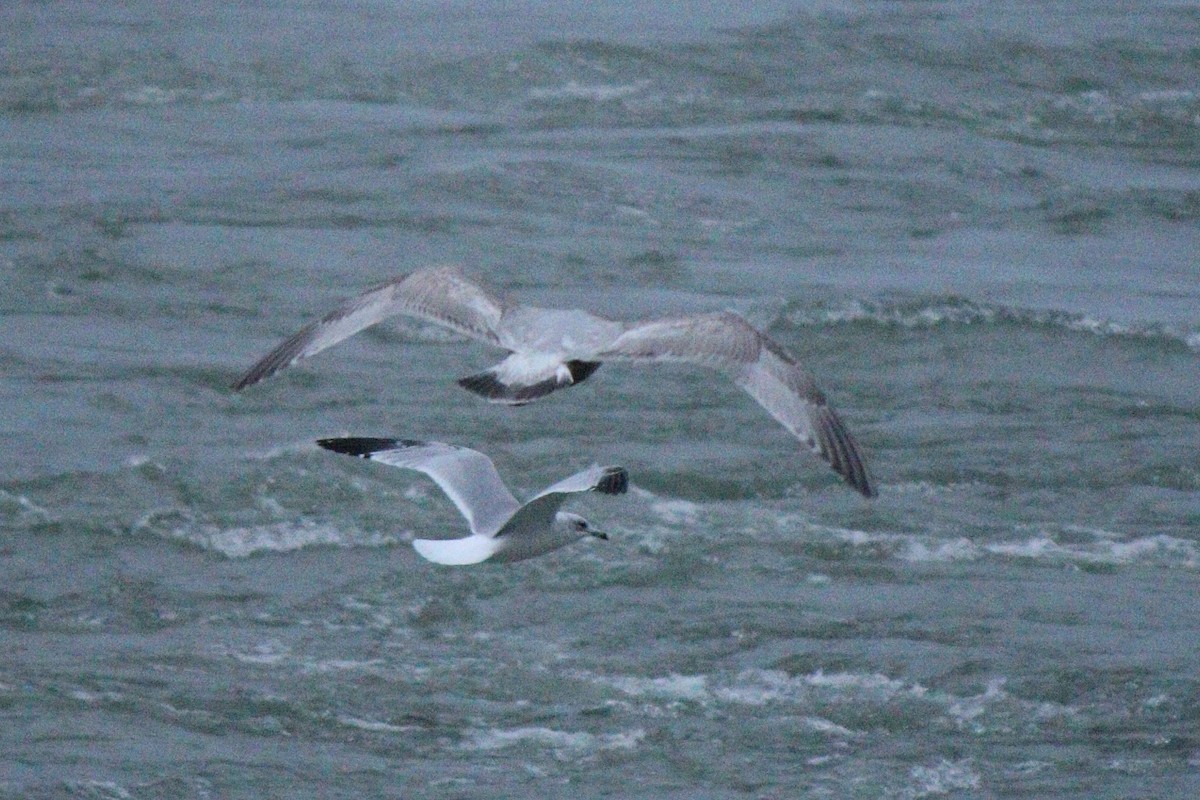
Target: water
[(975, 223)]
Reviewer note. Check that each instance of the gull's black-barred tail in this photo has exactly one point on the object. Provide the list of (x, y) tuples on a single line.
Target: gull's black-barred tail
[(488, 384), (615, 480), (363, 446)]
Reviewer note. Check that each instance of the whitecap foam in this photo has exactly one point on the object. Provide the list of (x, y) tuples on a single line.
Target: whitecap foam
[(676, 512), (102, 790), (873, 683), (374, 726), (1157, 549), (813, 695), (278, 537), (757, 687), (242, 541), (22, 510), (265, 654), (565, 744), (280, 450), (942, 778), (1104, 547), (671, 687), (822, 725), (94, 698), (935, 551), (597, 92), (150, 95), (903, 546), (937, 312), (328, 665), (966, 711)]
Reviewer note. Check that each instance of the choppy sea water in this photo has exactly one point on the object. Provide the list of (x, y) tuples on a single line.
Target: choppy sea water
[(975, 223)]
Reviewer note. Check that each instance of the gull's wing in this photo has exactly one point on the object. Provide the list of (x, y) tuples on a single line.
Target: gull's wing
[(727, 342), (467, 476), (442, 295), (606, 480)]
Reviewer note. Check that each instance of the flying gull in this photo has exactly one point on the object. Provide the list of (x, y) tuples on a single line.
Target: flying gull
[(502, 529), (550, 349)]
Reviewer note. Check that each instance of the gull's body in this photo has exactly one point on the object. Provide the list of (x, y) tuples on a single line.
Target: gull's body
[(551, 349), (502, 529)]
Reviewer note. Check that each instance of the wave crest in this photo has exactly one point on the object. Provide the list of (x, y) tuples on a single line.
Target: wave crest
[(955, 310)]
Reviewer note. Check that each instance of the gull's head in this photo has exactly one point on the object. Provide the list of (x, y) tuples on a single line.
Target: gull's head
[(573, 524)]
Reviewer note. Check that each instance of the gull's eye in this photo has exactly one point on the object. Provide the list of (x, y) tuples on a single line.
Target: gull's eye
[(581, 526)]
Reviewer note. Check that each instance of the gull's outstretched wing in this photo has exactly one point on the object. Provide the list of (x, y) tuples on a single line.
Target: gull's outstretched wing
[(467, 476), (542, 507), (442, 295), (757, 364), (606, 480)]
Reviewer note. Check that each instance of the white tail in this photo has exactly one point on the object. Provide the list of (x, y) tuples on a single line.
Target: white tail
[(468, 550)]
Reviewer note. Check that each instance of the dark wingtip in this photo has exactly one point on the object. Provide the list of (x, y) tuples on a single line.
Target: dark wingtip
[(252, 376), (864, 487), (615, 480), (286, 353), (361, 446), (841, 450), (582, 370)]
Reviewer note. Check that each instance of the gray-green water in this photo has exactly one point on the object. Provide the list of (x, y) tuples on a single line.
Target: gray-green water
[(975, 223)]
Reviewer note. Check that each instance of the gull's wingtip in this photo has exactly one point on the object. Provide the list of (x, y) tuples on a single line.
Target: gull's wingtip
[(615, 480), (360, 446), (259, 372), (286, 353), (863, 485), (838, 447)]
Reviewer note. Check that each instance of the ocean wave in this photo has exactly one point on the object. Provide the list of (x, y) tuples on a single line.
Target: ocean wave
[(836, 704), (672, 81), (944, 777), (1159, 550), (917, 548), (241, 541), (25, 513), (1067, 544), (98, 790), (565, 744), (375, 726), (954, 310), (596, 92)]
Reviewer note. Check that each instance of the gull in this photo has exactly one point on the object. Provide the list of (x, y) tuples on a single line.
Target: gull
[(551, 349), (502, 529)]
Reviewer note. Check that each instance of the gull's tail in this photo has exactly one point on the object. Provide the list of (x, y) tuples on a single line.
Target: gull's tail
[(468, 550), (520, 379)]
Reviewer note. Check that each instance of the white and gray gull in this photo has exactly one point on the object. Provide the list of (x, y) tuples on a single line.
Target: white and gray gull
[(502, 529), (551, 349)]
